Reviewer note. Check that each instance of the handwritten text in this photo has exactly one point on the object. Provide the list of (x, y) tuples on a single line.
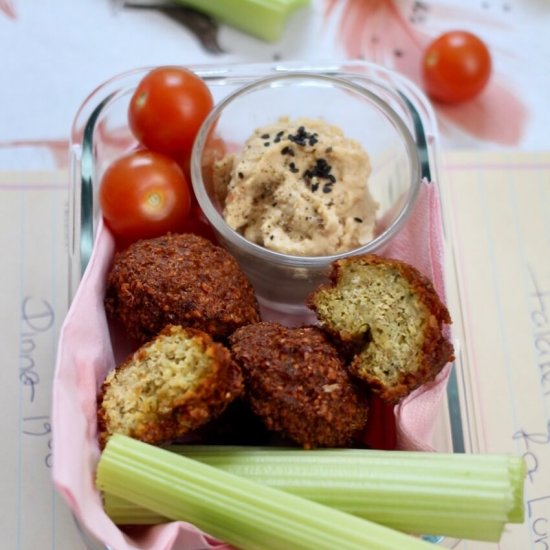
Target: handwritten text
[(37, 318)]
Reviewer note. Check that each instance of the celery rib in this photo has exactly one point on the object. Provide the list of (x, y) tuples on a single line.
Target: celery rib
[(264, 19), (462, 496), (234, 509)]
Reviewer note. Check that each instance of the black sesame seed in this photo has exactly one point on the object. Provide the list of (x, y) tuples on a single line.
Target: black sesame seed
[(241, 175), (328, 150), (321, 169), (358, 220), (300, 137), (314, 187), (265, 136), (293, 168), (327, 188), (287, 151), (322, 164), (266, 144)]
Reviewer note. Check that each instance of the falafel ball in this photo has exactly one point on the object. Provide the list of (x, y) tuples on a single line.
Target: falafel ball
[(179, 279), (296, 382), (169, 387)]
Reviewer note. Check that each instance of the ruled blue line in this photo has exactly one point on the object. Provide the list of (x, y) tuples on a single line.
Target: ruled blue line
[(54, 202), (22, 251), (490, 239), (528, 280), (544, 191)]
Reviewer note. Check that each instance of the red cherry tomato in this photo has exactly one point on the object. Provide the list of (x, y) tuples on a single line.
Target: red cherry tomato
[(456, 67), (167, 110), (144, 195)]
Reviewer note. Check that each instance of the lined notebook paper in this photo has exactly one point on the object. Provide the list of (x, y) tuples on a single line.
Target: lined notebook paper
[(33, 210), (498, 209), (498, 223)]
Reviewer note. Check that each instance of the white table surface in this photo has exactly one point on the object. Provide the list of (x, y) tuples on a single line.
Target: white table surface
[(54, 53)]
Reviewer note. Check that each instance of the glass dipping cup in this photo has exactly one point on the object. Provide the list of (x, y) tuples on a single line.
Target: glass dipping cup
[(282, 282)]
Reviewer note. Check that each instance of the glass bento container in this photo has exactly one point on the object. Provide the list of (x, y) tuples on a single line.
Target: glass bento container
[(100, 134)]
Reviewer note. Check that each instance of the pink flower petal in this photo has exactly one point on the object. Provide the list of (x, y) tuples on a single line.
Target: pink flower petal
[(381, 31), (6, 6), (496, 115)]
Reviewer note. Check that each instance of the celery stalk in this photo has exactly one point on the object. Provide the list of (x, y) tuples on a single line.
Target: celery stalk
[(455, 495), (262, 18), (239, 511)]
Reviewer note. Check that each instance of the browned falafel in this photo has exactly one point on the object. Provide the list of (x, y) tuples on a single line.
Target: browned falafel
[(391, 315), (179, 279), (296, 382), (170, 386)]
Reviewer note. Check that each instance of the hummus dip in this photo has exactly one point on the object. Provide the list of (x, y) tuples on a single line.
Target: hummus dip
[(298, 187)]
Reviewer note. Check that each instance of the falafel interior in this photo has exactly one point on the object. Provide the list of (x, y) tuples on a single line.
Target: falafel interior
[(389, 314), (170, 386)]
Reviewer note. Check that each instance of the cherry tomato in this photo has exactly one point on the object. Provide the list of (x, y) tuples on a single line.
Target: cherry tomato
[(167, 110), (143, 195), (456, 67)]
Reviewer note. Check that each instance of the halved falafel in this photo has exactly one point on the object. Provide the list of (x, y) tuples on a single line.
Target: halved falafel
[(390, 315), (170, 386)]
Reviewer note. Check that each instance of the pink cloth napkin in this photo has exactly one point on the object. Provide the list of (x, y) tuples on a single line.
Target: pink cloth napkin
[(85, 355)]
